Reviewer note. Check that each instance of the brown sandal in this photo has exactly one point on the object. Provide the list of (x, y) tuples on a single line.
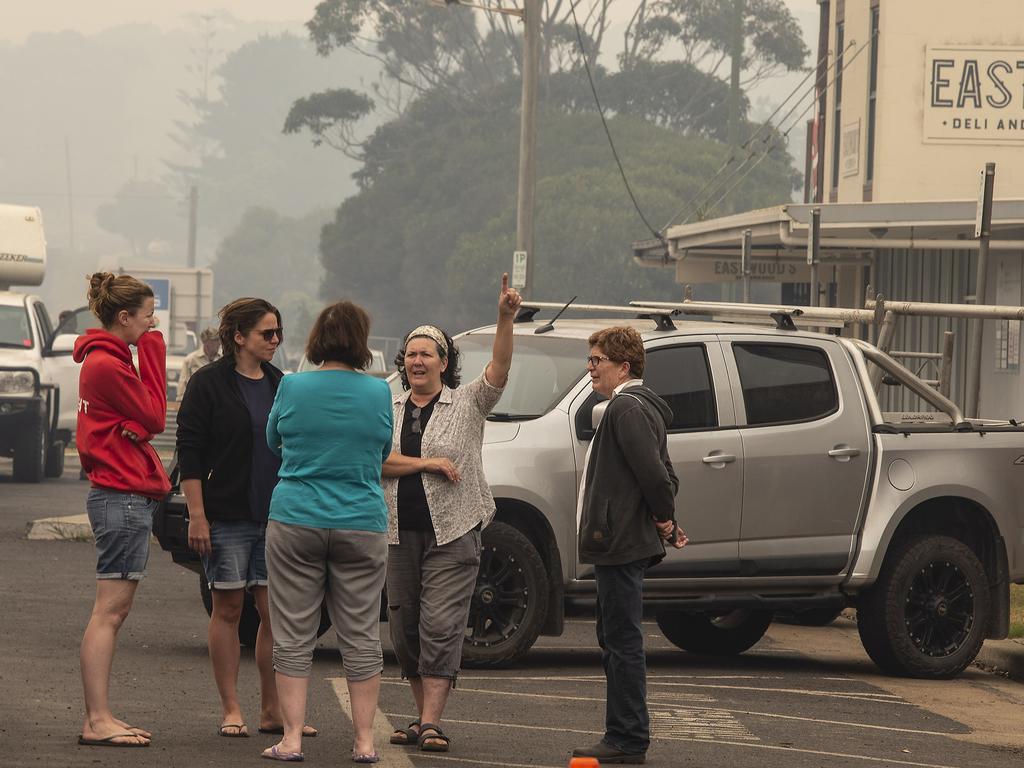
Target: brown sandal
[(406, 737)]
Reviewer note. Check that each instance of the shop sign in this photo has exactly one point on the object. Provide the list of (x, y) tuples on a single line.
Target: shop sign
[(974, 95), (704, 269)]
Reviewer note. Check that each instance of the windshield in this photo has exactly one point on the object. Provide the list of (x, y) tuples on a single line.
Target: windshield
[(14, 328), (544, 369)]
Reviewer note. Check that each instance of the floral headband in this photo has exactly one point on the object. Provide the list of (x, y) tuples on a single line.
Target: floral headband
[(431, 333)]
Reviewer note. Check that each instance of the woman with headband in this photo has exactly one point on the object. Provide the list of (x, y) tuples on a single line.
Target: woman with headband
[(438, 502)]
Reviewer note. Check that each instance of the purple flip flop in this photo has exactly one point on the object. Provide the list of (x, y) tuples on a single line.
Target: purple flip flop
[(273, 753)]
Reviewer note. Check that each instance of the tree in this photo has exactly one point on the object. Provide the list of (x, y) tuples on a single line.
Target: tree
[(143, 212), (250, 163), (275, 257), (434, 225)]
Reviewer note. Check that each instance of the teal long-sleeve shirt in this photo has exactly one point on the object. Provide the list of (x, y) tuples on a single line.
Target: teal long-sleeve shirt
[(332, 430)]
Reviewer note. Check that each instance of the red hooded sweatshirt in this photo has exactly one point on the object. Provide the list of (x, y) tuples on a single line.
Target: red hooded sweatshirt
[(113, 396)]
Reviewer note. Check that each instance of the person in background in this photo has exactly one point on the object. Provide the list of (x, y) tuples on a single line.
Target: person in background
[(627, 479), (119, 410), (228, 475), (438, 502), (327, 536), (208, 352)]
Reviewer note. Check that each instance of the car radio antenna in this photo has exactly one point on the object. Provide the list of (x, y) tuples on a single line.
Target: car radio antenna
[(550, 324)]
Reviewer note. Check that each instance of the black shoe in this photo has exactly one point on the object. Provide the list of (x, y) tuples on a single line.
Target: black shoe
[(606, 753)]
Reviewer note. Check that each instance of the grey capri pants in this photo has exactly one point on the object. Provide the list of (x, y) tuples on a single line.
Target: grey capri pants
[(306, 565), (430, 589)]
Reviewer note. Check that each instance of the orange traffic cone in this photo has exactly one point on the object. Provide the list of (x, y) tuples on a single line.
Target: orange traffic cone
[(584, 762)]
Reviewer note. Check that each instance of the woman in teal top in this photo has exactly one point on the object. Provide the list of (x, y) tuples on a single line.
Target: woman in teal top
[(327, 534)]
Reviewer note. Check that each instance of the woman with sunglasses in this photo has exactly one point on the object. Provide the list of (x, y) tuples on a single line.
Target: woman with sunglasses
[(438, 501), (228, 475)]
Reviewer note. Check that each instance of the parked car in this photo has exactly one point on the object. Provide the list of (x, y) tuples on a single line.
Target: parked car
[(797, 492)]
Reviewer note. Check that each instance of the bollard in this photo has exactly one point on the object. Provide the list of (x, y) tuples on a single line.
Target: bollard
[(584, 762)]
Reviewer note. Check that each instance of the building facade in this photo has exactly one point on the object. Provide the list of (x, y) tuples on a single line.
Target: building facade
[(912, 98)]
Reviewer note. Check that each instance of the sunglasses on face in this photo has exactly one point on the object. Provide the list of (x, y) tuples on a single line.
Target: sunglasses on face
[(270, 333)]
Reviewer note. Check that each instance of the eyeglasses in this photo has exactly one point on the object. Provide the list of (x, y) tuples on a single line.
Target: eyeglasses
[(270, 333), (595, 360), (417, 428)]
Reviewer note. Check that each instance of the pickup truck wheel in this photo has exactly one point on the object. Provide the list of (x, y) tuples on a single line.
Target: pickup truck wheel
[(927, 614), (30, 455), (249, 623), (55, 460), (509, 602), (713, 634)]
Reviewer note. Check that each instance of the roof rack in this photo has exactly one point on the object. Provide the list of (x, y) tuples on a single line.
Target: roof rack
[(661, 317), (787, 318)]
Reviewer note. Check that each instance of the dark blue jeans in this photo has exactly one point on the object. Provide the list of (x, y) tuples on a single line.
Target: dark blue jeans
[(619, 633)]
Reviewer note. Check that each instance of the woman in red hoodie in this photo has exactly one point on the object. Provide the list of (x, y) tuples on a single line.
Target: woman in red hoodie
[(119, 410)]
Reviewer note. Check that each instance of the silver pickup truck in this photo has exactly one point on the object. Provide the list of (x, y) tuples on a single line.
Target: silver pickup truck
[(796, 491)]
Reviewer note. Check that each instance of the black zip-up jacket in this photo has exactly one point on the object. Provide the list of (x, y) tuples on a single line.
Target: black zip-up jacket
[(215, 438), (630, 481)]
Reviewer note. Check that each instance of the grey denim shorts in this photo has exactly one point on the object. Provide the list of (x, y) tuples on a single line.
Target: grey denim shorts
[(121, 523)]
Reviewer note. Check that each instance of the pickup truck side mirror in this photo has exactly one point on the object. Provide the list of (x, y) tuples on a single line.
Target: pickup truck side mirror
[(63, 344), (585, 422)]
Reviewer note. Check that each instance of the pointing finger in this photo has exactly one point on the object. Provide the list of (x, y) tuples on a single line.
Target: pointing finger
[(504, 282)]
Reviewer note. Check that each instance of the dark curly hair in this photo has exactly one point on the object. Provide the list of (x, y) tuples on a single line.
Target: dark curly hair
[(450, 377)]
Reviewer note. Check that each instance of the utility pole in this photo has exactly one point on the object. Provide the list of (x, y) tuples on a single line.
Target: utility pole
[(982, 231), (193, 222), (528, 139), (739, 13), (71, 196)]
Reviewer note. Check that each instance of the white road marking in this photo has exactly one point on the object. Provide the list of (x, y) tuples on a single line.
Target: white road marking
[(702, 723), (717, 742), (392, 756), (512, 725), (882, 698), (600, 678)]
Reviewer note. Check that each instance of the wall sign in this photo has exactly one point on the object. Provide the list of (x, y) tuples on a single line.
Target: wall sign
[(849, 156), (973, 95)]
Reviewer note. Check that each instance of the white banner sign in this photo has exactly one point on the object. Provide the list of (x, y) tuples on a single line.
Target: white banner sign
[(974, 95)]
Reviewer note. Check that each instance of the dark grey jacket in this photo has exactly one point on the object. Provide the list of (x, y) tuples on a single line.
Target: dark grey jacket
[(630, 482)]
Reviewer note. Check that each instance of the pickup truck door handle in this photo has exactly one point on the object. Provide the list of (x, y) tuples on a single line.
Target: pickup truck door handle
[(718, 458), (843, 452)]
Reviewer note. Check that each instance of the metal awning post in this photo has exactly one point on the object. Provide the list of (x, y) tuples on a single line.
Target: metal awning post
[(946, 367), (886, 330), (813, 244), (745, 256), (982, 231)]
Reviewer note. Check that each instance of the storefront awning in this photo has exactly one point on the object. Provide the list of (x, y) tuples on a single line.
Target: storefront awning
[(849, 231)]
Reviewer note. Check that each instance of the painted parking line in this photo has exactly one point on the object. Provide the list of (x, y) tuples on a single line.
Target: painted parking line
[(390, 755), (657, 700), (881, 698), (504, 725)]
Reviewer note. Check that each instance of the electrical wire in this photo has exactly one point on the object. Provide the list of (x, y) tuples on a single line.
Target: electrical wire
[(607, 131)]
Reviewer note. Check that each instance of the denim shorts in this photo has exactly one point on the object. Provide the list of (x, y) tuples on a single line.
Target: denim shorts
[(238, 557), (122, 523)]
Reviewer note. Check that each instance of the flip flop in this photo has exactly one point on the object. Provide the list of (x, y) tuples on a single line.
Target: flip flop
[(308, 731), (408, 736), (273, 753), (365, 757), (237, 734), (109, 741)]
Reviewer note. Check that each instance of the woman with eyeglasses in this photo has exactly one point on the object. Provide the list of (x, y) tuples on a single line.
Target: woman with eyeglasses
[(228, 475), (438, 502)]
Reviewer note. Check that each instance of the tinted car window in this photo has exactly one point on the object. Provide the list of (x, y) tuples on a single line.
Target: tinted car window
[(681, 376), (785, 383)]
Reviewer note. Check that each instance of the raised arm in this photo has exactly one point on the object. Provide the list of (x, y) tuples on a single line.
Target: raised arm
[(501, 355)]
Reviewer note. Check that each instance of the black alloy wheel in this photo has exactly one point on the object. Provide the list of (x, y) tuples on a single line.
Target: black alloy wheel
[(940, 609), (509, 601)]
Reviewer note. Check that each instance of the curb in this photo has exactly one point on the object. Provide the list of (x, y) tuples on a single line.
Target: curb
[(1004, 656), (69, 528)]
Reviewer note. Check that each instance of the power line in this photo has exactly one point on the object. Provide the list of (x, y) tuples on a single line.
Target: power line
[(604, 122)]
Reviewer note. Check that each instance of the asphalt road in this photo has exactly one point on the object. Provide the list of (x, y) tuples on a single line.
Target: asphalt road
[(802, 698)]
